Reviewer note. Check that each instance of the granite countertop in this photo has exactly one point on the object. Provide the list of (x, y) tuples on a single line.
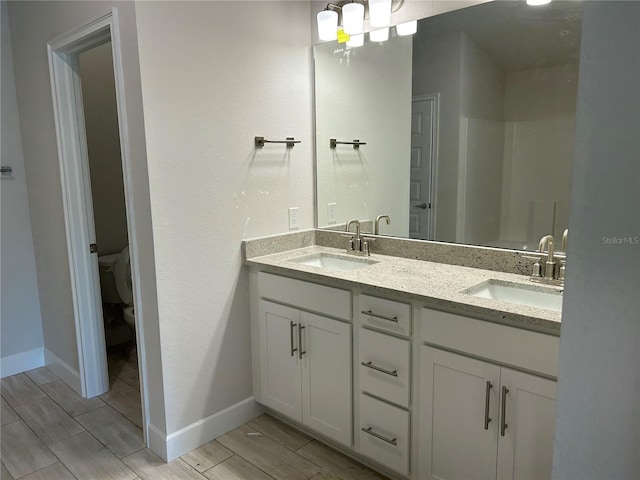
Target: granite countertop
[(435, 285)]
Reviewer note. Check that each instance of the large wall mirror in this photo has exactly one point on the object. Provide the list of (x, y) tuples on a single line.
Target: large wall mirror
[(468, 126)]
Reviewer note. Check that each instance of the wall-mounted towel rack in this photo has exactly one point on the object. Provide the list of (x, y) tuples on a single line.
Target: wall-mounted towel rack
[(6, 171), (290, 141), (356, 143)]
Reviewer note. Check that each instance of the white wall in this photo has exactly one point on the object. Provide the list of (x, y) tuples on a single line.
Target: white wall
[(597, 434), (537, 176), (214, 75), (33, 24), (364, 93), (481, 146), (482, 83), (21, 327), (539, 112), (436, 69), (103, 144), (541, 93), (480, 184)]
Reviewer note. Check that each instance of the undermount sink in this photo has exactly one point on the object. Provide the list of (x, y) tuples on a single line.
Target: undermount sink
[(331, 261), (517, 293)]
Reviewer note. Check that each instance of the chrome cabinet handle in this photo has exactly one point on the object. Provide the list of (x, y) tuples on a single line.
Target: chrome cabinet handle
[(392, 441), (291, 327), (486, 405), (378, 315), (504, 426), (300, 351), (370, 365)]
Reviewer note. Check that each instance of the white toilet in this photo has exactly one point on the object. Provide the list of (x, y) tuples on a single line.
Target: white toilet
[(115, 282)]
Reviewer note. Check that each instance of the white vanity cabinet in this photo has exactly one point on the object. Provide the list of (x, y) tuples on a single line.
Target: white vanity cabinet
[(423, 394), (384, 381), (479, 419), (305, 358)]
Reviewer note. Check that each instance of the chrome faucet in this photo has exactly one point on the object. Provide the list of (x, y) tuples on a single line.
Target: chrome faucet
[(550, 265), (550, 272), (358, 245), (376, 225), (563, 261)]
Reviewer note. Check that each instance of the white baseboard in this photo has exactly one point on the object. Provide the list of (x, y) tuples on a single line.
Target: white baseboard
[(157, 441), (63, 370), (21, 362), (169, 447)]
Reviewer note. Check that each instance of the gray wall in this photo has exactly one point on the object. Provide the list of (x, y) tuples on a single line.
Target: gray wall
[(597, 425), (21, 329)]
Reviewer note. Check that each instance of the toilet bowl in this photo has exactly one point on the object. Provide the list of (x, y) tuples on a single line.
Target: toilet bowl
[(115, 282), (122, 275)]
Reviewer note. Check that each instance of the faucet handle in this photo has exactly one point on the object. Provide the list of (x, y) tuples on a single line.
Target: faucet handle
[(365, 248), (537, 267)]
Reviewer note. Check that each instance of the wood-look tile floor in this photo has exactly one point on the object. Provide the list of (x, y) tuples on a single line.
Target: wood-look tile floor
[(50, 433)]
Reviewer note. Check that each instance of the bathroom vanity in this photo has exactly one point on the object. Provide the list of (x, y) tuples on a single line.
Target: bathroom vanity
[(397, 362)]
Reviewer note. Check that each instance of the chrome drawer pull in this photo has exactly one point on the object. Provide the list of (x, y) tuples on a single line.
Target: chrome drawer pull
[(486, 405), (504, 426), (300, 351), (291, 327), (392, 441), (373, 367), (378, 315)]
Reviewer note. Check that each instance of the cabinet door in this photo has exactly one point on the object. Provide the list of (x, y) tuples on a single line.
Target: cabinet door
[(458, 440), (326, 377), (526, 449), (281, 376)]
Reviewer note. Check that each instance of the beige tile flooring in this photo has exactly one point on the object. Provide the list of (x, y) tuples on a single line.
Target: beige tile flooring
[(51, 433)]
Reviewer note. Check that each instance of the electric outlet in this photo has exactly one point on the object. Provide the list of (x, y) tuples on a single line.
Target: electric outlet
[(293, 218), (331, 212)]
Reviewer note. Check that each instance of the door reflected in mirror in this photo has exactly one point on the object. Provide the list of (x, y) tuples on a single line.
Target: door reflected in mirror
[(469, 126)]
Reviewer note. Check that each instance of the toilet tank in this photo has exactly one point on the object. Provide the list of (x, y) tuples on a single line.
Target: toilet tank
[(107, 280)]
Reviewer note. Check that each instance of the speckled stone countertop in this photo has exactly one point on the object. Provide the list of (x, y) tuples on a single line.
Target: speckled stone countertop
[(435, 285)]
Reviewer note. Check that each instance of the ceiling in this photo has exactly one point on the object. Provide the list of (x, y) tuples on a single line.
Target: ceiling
[(517, 36)]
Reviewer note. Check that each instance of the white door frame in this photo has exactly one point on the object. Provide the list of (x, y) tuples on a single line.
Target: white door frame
[(433, 174), (66, 90)]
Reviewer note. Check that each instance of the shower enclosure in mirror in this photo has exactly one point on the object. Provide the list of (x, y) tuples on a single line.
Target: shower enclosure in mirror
[(468, 126)]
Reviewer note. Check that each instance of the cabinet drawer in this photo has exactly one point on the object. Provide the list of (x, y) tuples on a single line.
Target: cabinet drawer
[(308, 296), (385, 314), (384, 434), (532, 351), (385, 372)]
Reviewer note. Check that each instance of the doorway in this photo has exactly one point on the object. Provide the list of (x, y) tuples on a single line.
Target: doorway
[(424, 148), (92, 233), (95, 68)]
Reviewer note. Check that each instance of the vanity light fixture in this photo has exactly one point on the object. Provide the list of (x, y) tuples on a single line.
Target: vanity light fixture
[(328, 23), (353, 18), (353, 15), (536, 3), (381, 35), (407, 28), (356, 41), (379, 13)]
